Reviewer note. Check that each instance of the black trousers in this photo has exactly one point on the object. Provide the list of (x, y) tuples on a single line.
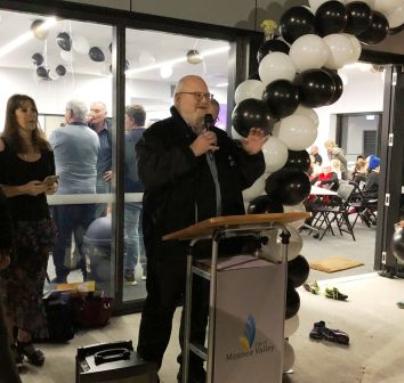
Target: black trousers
[(165, 291), (8, 371)]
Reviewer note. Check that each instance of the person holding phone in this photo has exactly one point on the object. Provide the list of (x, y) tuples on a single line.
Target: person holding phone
[(26, 161)]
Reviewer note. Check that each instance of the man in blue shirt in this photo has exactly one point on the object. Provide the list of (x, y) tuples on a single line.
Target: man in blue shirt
[(135, 118), (101, 125), (76, 149)]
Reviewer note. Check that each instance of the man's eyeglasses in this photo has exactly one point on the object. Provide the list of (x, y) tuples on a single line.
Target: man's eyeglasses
[(199, 96)]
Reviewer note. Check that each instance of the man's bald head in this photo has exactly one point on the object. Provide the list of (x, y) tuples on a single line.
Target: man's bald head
[(192, 101), (98, 113)]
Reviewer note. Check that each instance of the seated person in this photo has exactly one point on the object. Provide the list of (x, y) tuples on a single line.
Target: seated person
[(360, 171), (371, 189), (327, 179)]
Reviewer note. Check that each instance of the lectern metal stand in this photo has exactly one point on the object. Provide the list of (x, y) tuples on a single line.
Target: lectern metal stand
[(219, 228)]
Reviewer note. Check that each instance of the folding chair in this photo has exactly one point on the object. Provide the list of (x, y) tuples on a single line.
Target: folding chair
[(338, 213)]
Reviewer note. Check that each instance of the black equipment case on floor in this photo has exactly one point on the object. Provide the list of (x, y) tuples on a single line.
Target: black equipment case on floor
[(113, 363)]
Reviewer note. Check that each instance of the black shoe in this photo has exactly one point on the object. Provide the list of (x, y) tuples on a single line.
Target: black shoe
[(317, 331), (35, 356)]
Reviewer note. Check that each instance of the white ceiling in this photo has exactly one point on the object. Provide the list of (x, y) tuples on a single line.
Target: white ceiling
[(143, 48)]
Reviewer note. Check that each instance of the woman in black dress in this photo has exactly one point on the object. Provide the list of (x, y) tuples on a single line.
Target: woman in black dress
[(7, 363), (26, 169)]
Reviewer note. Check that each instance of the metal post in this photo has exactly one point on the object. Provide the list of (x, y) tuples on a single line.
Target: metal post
[(212, 306), (187, 319)]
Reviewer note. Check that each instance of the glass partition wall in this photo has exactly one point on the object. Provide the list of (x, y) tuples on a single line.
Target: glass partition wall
[(56, 61), (105, 69), (155, 61)]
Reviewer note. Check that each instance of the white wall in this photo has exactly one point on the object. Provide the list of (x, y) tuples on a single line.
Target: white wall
[(362, 93)]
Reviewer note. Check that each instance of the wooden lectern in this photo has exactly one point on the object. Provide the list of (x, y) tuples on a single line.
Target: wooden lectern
[(219, 228)]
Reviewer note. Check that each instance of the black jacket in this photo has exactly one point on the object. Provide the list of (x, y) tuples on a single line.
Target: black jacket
[(179, 187), (5, 224)]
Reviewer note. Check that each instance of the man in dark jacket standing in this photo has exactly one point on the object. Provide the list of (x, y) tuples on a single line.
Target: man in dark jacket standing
[(190, 174), (8, 372)]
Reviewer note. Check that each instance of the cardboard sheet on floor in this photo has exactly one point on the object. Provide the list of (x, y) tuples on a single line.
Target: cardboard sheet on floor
[(334, 264)]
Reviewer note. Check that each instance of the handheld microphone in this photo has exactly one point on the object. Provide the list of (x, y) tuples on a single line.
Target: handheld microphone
[(208, 121)]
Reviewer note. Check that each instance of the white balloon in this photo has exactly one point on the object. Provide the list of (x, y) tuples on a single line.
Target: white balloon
[(387, 6), (356, 45), (275, 154), (291, 326), (288, 357), (66, 56), (396, 17), (276, 66), (81, 45), (256, 189), (342, 50), (272, 250), (249, 89), (304, 111), (309, 52), (298, 132), (315, 4), (295, 208)]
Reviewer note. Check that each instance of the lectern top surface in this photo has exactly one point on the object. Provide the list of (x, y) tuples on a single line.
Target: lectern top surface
[(209, 226)]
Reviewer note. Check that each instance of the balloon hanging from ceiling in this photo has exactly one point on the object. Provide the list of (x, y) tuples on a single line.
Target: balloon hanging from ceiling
[(60, 70), (64, 41), (37, 59), (38, 30), (96, 54)]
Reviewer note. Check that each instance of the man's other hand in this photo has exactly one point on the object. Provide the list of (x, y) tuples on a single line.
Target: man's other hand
[(254, 141)]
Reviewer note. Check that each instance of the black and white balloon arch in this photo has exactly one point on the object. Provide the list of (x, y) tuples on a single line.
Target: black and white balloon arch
[(298, 71)]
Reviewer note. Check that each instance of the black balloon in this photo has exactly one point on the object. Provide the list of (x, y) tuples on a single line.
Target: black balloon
[(251, 113), (377, 31), (397, 244), (281, 98), (339, 85), (42, 72), (296, 22), (64, 41), (37, 59), (61, 70), (289, 186), (264, 204), (272, 46), (298, 271), (299, 160), (359, 17), (316, 87), (292, 301), (331, 17), (96, 54)]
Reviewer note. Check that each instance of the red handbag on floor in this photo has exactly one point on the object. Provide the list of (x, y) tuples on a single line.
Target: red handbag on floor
[(91, 309)]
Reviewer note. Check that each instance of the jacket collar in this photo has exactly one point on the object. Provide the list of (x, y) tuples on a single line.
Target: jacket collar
[(180, 122)]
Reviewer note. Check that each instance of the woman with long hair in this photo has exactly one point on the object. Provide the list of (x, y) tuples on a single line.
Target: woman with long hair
[(26, 175)]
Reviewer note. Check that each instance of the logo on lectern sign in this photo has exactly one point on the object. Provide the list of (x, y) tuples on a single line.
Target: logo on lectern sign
[(247, 340), (252, 345)]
